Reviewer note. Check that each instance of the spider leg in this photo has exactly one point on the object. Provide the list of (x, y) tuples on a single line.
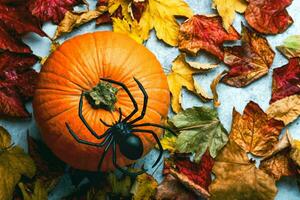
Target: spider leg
[(161, 150), (85, 122), (144, 104), (105, 124), (155, 125), (87, 142), (120, 117), (128, 93), (105, 152), (126, 172)]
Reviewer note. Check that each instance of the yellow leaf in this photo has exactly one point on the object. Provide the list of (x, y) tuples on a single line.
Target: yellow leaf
[(168, 142), (295, 152), (160, 15), (73, 20), (113, 5), (39, 193), (227, 9), (144, 187), (132, 29), (182, 76), (286, 109), (14, 163)]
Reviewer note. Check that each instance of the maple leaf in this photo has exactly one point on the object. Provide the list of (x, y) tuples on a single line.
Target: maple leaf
[(200, 129), (14, 163), (286, 109), (254, 131), (195, 176), (172, 189), (227, 9), (73, 20), (268, 16), (248, 62), (144, 187), (182, 76), (238, 178), (17, 83), (202, 32), (278, 162), (49, 167), (51, 10), (160, 15), (286, 80), (290, 47)]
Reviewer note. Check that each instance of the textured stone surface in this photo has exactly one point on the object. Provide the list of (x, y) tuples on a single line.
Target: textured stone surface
[(230, 97)]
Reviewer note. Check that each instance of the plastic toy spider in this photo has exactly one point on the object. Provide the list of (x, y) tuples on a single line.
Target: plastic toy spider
[(121, 132)]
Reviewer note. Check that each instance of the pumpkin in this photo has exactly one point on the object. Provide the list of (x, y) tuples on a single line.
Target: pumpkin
[(78, 65)]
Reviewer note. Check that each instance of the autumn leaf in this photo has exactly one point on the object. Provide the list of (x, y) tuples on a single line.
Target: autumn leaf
[(286, 109), (132, 29), (286, 80), (268, 16), (168, 142), (278, 163), (295, 152), (51, 10), (160, 15), (290, 47), (14, 163), (248, 62), (227, 9), (253, 131), (213, 87), (200, 129), (49, 167), (39, 191), (171, 188), (195, 176), (182, 76), (238, 178), (73, 20), (102, 6), (17, 83), (144, 187), (202, 32)]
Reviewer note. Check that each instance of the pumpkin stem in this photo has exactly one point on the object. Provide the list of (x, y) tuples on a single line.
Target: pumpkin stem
[(103, 95)]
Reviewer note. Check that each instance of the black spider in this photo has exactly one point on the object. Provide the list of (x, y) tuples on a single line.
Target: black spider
[(122, 132)]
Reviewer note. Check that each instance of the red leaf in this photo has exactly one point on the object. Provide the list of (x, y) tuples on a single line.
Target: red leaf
[(248, 62), (286, 80), (10, 43), (17, 83), (18, 19), (51, 10), (207, 33), (268, 16), (137, 9)]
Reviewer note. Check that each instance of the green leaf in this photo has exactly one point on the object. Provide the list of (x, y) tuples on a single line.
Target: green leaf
[(291, 46), (14, 163), (200, 129)]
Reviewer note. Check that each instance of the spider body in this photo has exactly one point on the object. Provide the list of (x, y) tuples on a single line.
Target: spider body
[(123, 133)]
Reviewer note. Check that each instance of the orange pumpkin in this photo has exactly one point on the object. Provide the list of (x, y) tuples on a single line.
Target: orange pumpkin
[(76, 66)]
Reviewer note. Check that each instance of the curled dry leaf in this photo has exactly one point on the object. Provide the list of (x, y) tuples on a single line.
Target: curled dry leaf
[(73, 20), (213, 87), (290, 47), (200, 129), (102, 6), (238, 178), (254, 131), (248, 62), (286, 109), (268, 16), (195, 176), (182, 76), (286, 80), (52, 10), (132, 28), (17, 83), (278, 163), (14, 163), (205, 33), (144, 187), (172, 189), (227, 9)]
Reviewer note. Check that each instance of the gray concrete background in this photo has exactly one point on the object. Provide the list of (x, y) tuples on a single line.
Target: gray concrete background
[(259, 91)]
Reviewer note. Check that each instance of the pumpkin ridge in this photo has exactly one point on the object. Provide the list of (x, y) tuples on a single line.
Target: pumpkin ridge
[(58, 114), (97, 55)]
